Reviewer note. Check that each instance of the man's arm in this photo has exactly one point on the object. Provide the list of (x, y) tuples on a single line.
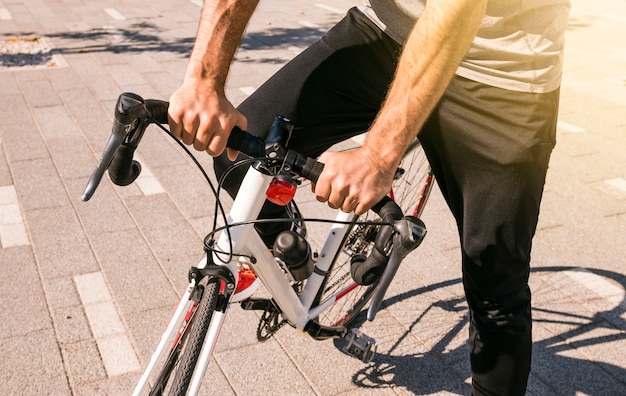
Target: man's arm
[(437, 44), (199, 112)]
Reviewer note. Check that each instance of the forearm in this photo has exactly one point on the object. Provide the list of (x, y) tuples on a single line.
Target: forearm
[(432, 53), (221, 27)]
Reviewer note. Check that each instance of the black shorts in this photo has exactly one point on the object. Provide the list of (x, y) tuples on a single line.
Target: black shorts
[(489, 149)]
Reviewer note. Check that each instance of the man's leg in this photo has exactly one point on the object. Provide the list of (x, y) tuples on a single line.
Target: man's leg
[(489, 149), (331, 91)]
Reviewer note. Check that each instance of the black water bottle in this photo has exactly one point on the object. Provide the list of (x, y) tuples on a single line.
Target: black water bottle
[(295, 252)]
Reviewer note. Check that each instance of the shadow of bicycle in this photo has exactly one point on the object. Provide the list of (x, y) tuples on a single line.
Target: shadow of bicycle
[(579, 332)]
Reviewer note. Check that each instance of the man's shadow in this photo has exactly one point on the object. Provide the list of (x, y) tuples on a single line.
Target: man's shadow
[(561, 362)]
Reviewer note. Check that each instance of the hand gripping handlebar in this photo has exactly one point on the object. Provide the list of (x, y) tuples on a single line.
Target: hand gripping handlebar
[(133, 114)]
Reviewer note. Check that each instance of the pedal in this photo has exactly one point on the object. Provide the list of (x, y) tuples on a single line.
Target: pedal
[(360, 345), (256, 304)]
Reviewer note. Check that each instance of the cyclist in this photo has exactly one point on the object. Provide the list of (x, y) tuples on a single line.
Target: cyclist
[(477, 79)]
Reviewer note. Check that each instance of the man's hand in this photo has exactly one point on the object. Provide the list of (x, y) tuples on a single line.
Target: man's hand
[(357, 180), (204, 117), (199, 112), (353, 181)]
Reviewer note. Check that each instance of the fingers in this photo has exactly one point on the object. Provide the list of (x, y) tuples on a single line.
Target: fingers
[(332, 188), (205, 127), (176, 127), (347, 184), (350, 204), (344, 200), (190, 130), (232, 154), (336, 196)]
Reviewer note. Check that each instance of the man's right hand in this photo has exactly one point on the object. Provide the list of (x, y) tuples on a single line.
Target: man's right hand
[(201, 116)]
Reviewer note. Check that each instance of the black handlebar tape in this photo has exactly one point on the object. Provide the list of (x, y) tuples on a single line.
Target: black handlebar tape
[(247, 143), (312, 169), (158, 110), (123, 170), (304, 166)]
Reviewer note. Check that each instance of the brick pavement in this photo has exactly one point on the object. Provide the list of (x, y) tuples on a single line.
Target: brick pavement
[(86, 288)]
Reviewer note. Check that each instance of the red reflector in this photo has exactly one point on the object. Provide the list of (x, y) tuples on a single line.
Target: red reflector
[(246, 277), (280, 192)]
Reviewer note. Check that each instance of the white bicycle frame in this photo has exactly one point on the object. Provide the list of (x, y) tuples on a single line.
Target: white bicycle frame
[(244, 240)]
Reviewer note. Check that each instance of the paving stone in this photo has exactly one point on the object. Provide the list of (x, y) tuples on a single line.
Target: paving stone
[(23, 143), (9, 86), (61, 293), (5, 174), (71, 324), (80, 102), (32, 364), (40, 93), (14, 112), (38, 185), (61, 248), (104, 213), (24, 305), (56, 122), (83, 362), (263, 361), (134, 275)]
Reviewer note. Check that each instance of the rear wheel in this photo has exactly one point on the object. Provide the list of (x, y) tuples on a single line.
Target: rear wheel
[(411, 188)]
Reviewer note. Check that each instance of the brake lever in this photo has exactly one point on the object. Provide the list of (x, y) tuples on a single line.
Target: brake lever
[(115, 141), (408, 234), (129, 109)]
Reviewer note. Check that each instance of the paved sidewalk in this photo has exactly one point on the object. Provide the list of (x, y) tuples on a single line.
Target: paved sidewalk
[(87, 288)]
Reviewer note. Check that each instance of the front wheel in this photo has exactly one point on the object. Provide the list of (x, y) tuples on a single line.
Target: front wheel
[(195, 338)]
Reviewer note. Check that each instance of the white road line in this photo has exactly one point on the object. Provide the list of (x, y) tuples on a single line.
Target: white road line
[(569, 127), (108, 330), (329, 8), (607, 290), (10, 214), (115, 14), (5, 15), (618, 183), (13, 235), (12, 228), (147, 182)]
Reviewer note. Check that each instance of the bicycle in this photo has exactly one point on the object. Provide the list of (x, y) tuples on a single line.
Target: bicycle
[(312, 292)]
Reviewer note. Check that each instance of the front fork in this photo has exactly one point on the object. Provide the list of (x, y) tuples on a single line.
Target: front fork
[(222, 262)]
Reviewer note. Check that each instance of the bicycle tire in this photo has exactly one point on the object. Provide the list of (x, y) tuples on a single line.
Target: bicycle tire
[(413, 181), (195, 339), (411, 188)]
